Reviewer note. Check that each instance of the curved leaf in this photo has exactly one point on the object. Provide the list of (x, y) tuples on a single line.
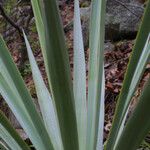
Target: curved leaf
[(19, 100)]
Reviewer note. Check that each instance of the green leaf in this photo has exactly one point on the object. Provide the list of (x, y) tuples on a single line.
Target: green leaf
[(45, 101), (79, 78), (139, 70), (95, 81), (19, 100), (141, 64), (58, 72), (132, 135), (10, 136), (100, 138), (132, 77), (39, 22)]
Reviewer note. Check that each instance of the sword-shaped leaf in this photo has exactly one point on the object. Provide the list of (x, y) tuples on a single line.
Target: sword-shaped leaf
[(58, 72), (132, 135), (10, 136), (100, 138), (20, 101), (95, 81), (46, 105), (134, 71), (79, 78)]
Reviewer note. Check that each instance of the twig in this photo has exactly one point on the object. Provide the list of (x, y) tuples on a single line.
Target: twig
[(8, 19), (133, 5), (23, 52)]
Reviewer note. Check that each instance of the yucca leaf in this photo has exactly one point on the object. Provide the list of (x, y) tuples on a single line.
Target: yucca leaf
[(45, 101), (132, 135), (141, 64), (79, 78), (58, 72), (10, 136), (137, 62), (21, 114), (39, 22), (95, 81), (9, 139), (19, 100), (139, 70), (100, 138)]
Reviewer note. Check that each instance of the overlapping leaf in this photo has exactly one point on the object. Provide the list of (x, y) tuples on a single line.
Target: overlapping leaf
[(58, 72), (132, 135), (46, 105), (95, 81), (10, 136), (19, 100)]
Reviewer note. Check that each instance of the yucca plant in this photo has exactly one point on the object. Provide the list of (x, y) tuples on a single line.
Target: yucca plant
[(70, 119)]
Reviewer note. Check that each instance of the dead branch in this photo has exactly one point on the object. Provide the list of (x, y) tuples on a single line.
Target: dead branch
[(8, 19)]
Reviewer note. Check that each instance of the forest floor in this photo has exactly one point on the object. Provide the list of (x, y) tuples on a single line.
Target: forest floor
[(115, 62)]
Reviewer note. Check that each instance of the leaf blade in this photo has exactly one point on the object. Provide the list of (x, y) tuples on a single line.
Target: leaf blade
[(79, 78), (99, 145), (19, 100), (124, 98), (55, 54), (10, 136), (95, 71), (127, 139), (45, 101)]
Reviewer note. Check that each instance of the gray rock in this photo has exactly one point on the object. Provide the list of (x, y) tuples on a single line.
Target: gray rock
[(122, 19)]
